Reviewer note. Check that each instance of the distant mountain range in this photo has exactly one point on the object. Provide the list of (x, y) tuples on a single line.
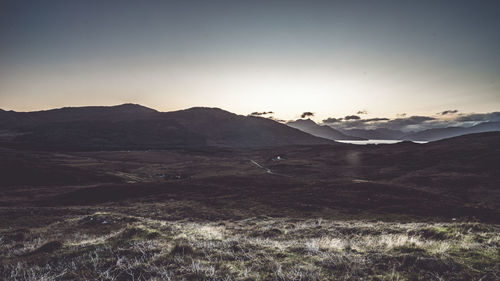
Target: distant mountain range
[(323, 131), (131, 126), (425, 135), (449, 132), (376, 134)]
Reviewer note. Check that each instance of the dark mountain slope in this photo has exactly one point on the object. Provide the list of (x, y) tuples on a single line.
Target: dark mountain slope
[(485, 142), (324, 131), (132, 126), (223, 128), (12, 119)]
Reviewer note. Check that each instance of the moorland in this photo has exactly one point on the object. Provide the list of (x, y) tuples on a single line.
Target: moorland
[(274, 209)]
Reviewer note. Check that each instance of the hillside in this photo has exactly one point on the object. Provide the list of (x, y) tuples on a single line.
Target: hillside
[(131, 126)]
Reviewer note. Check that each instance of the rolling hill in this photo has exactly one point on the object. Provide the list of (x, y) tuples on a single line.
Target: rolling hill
[(131, 126)]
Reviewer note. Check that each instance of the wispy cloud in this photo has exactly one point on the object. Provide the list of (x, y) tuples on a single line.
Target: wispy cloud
[(277, 119), (478, 117), (256, 113), (375, 120)]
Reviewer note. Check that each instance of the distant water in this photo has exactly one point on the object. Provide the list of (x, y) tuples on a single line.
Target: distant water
[(363, 142)]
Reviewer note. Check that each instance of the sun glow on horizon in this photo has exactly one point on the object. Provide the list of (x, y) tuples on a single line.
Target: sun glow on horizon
[(332, 58)]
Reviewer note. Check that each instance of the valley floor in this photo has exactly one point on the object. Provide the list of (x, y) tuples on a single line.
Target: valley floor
[(343, 212)]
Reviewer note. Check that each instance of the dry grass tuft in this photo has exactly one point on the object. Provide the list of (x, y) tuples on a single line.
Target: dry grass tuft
[(261, 248)]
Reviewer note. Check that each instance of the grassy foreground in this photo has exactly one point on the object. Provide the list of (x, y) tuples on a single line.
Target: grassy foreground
[(113, 245)]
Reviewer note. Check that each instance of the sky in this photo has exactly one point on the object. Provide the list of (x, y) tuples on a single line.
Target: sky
[(331, 58)]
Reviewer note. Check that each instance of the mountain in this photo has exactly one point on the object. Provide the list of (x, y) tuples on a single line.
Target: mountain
[(488, 142), (309, 126), (424, 135), (126, 111), (131, 126), (222, 128), (376, 134), (443, 133)]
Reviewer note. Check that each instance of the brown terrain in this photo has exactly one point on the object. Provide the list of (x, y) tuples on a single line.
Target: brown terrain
[(317, 211), (455, 178)]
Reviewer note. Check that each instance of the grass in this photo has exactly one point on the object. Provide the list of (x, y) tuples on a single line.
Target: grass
[(120, 246), (400, 212)]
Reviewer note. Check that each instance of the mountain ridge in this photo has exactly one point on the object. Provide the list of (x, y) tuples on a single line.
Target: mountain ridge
[(449, 132), (132, 126), (311, 127)]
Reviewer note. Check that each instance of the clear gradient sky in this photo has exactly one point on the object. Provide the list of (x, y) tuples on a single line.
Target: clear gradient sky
[(329, 57)]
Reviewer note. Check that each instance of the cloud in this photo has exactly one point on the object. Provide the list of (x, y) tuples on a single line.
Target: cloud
[(277, 119), (405, 124), (306, 114), (413, 123), (332, 120), (450, 111), (479, 117), (413, 120), (353, 121), (352, 117), (408, 123), (375, 120), (362, 112), (256, 113)]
